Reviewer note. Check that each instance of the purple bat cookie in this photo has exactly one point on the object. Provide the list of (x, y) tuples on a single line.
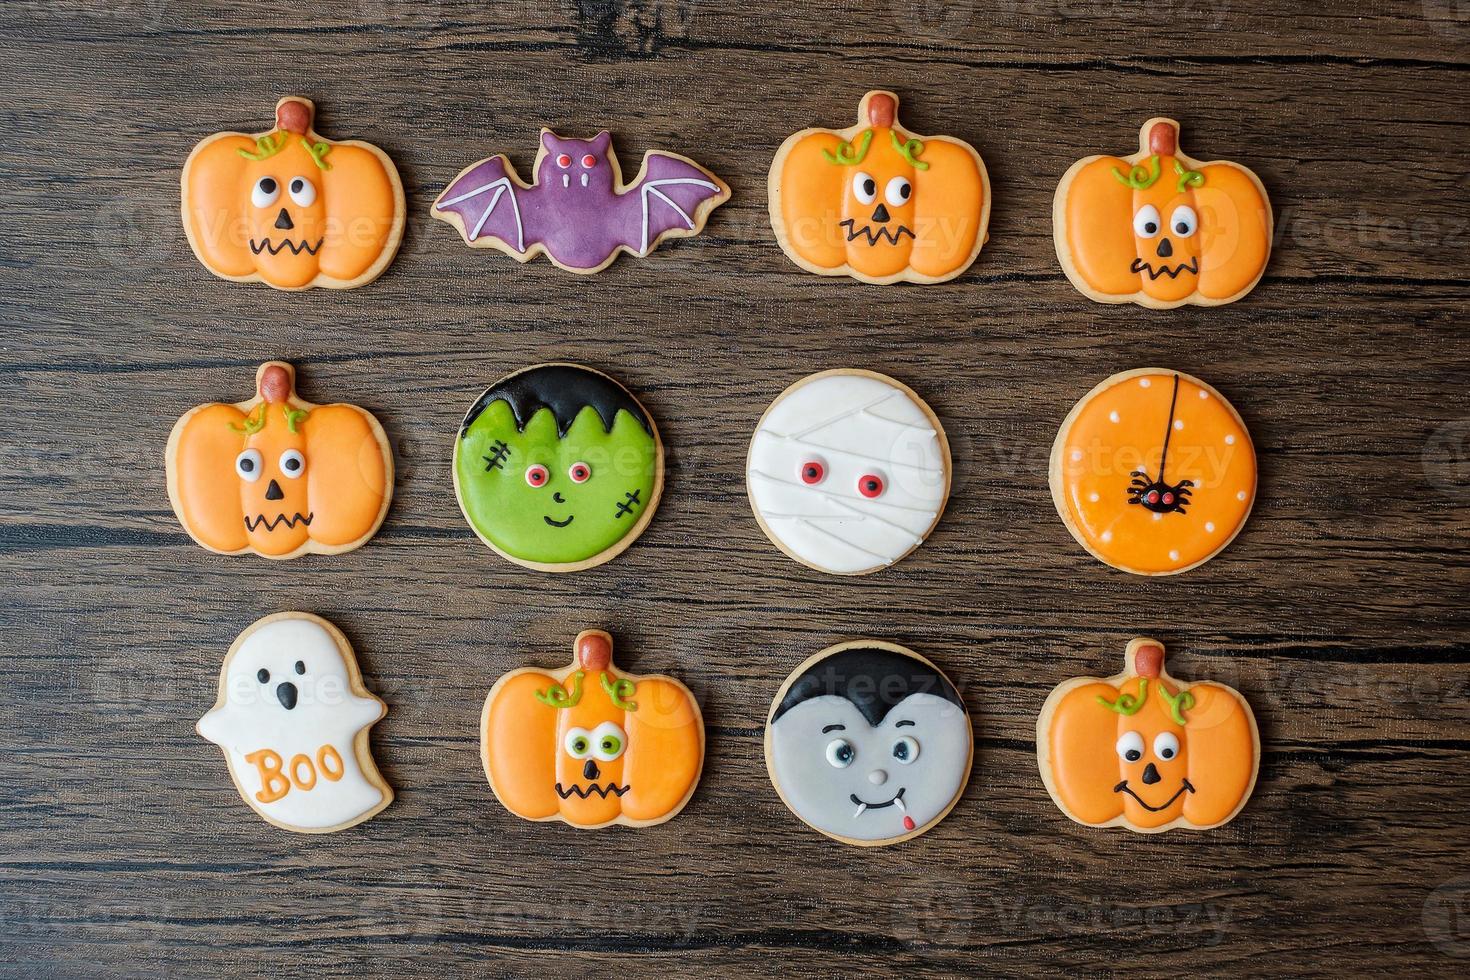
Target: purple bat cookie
[(578, 211)]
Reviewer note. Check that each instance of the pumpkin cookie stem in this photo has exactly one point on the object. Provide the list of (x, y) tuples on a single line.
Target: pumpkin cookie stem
[(594, 650), (882, 110), (275, 383), (1163, 139), (294, 115)]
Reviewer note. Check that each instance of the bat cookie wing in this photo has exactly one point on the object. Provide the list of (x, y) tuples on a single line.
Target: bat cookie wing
[(482, 202), (677, 197)]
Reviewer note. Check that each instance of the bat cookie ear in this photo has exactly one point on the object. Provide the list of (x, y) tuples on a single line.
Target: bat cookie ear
[(549, 140), (602, 142)]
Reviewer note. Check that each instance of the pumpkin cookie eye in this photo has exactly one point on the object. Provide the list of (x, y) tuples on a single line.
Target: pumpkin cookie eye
[(293, 464), (1130, 746), (248, 465), (564, 160), (1166, 745), (608, 741), (578, 743), (1184, 221), (906, 749), (537, 475), (840, 753), (1146, 222), (580, 472), (265, 192), (302, 191), (864, 187), (813, 471), (898, 191), (870, 485)]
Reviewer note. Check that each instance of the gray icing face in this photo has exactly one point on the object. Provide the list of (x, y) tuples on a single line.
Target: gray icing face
[(851, 779)]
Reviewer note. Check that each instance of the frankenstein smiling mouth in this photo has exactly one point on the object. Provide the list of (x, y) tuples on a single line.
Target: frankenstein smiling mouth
[(583, 792), (1191, 267), (863, 807), (265, 245), (260, 520), (557, 523), (873, 237), (1123, 787)]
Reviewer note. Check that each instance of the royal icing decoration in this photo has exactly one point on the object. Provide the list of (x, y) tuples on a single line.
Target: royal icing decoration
[(558, 467), (1159, 228), (591, 745), (848, 471), (293, 719), (869, 743), (290, 208), (1147, 751), (877, 203), (578, 211), (278, 475)]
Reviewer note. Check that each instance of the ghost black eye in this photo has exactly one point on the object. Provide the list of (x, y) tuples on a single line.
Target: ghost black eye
[(263, 675), (300, 666)]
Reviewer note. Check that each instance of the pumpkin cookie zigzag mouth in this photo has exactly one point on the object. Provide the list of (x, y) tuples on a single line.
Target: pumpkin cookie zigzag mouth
[(594, 789), (1123, 787), (1141, 266), (264, 245), (252, 524), (853, 231)]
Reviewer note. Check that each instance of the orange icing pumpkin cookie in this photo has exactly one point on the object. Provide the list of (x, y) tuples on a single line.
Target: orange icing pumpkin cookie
[(591, 745), (291, 209), (277, 475), (878, 203), (1153, 472), (1159, 228), (1147, 751)]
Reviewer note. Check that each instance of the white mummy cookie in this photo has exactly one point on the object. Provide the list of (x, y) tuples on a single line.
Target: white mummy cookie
[(848, 471), (293, 719)]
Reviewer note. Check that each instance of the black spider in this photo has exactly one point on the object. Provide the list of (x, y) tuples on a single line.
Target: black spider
[(1157, 495)]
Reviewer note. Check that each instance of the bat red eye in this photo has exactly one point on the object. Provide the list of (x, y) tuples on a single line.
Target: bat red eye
[(870, 485), (589, 161), (537, 475), (813, 472), (580, 472), (564, 161)]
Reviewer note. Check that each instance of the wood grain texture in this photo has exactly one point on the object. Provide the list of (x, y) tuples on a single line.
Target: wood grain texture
[(1340, 612)]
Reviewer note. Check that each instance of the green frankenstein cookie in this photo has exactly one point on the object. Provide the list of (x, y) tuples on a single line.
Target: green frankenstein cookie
[(558, 467)]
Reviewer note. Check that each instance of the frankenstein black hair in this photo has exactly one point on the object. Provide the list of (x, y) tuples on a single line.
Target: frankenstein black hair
[(873, 679), (565, 389)]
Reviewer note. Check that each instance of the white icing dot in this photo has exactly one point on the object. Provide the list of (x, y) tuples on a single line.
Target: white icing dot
[(1229, 440), (1240, 496), (1107, 535), (1173, 556), (1093, 497), (1203, 394), (1112, 416), (1158, 517), (1210, 526), (1178, 424), (1076, 455), (1144, 382)]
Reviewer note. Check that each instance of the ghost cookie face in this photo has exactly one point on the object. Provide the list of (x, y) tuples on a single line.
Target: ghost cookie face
[(848, 471), (292, 718), (558, 468), (869, 743)]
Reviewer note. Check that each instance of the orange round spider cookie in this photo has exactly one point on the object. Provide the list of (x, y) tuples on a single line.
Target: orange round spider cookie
[(1153, 472)]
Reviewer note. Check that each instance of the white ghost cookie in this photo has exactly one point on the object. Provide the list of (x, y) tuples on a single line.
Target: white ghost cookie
[(848, 471), (292, 718)]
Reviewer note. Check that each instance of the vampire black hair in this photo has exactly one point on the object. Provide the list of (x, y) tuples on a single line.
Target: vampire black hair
[(565, 389), (873, 679)]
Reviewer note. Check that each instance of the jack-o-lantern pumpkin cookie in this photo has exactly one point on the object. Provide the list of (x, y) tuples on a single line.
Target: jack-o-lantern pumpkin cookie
[(591, 745), (1153, 472), (1147, 751), (878, 203), (277, 475), (848, 471), (869, 743), (1159, 228), (292, 719), (558, 467), (291, 209)]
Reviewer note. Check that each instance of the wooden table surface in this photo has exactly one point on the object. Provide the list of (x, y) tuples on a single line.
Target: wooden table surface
[(1340, 611)]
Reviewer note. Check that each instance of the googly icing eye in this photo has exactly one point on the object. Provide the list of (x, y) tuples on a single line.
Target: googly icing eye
[(292, 463), (578, 743), (589, 161), (1147, 221), (1183, 222), (579, 472), (813, 471), (302, 191), (871, 485), (840, 753), (608, 741), (906, 749), (265, 192), (1166, 745), (248, 465), (563, 160), (864, 187), (1130, 746), (898, 191), (537, 475)]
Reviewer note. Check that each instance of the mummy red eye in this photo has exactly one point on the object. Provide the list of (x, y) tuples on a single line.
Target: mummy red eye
[(564, 161), (537, 475), (870, 486), (580, 472), (813, 471), (589, 161)]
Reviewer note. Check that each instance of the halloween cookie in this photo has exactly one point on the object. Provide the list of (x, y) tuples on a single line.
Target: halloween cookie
[(869, 743), (277, 475), (848, 471), (1147, 751), (1161, 229), (1153, 472), (291, 209), (558, 468), (578, 211), (877, 203), (591, 745), (292, 718)]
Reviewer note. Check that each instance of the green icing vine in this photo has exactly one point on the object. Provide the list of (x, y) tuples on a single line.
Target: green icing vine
[(558, 696), (620, 691), (1178, 704), (265, 147), (1127, 704), (294, 416), (910, 150), (318, 152), (252, 425), (846, 155), (1187, 178), (1140, 178)]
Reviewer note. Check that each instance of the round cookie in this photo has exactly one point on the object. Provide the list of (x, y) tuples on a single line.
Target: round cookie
[(558, 467), (1153, 472), (848, 471)]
